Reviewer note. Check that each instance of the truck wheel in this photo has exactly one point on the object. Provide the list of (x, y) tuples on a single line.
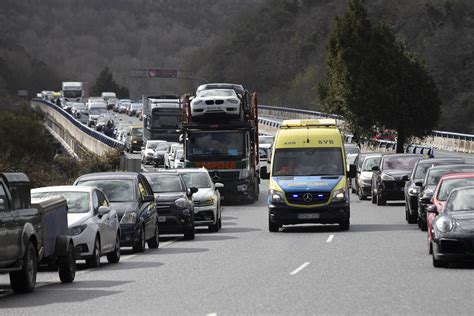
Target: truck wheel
[(94, 260), (24, 281), (67, 266), (114, 256), (154, 242), (344, 225), (273, 227), (140, 245)]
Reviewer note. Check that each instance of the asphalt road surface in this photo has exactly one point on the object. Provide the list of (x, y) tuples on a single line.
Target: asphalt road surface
[(379, 266)]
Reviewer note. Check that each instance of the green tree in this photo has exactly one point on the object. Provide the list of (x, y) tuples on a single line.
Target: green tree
[(374, 82), (105, 82)]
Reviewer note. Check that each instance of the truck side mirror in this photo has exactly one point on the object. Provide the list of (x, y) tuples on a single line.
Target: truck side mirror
[(264, 173)]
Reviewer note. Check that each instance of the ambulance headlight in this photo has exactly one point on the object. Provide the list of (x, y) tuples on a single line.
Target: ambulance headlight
[(276, 196), (339, 195)]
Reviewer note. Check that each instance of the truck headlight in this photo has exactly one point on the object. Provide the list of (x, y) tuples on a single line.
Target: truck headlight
[(444, 224), (339, 195), (276, 196), (76, 230), (180, 202), (129, 218), (386, 177)]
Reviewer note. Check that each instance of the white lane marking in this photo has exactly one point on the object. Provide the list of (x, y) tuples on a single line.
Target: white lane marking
[(330, 238), (211, 314), (301, 267)]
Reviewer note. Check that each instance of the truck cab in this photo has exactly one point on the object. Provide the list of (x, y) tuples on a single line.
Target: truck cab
[(308, 175)]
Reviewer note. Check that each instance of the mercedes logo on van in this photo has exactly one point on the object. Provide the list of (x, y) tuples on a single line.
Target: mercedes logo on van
[(307, 197), (216, 176)]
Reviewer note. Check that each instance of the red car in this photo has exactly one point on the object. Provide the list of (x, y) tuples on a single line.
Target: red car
[(446, 183)]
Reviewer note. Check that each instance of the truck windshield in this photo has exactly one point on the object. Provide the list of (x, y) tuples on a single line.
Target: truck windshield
[(308, 162), (72, 93), (165, 119), (216, 144), (77, 202)]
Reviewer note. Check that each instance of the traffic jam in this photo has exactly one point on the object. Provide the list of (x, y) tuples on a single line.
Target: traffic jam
[(206, 151)]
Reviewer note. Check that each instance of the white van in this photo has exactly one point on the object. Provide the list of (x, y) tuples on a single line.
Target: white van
[(95, 110)]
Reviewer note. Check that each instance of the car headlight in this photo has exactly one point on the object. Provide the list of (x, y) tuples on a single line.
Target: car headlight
[(207, 202), (134, 141), (129, 218), (180, 202), (339, 195), (444, 224), (414, 191), (276, 196), (386, 177), (76, 230), (233, 101)]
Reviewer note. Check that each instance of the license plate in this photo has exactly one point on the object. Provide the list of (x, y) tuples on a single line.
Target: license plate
[(308, 215), (213, 108), (161, 219)]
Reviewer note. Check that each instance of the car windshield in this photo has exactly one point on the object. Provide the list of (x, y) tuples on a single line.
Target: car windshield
[(216, 93), (370, 162), (461, 200), (77, 202), (136, 106), (197, 179), (352, 150), (449, 184), (212, 145), (433, 176), (117, 190), (265, 139), (351, 158), (136, 131), (308, 162), (165, 183), (163, 146), (399, 163), (152, 145), (179, 154)]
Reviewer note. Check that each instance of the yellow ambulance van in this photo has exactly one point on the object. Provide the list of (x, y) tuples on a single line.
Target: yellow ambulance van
[(308, 176)]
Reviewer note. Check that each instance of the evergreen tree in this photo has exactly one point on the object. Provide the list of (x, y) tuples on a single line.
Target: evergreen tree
[(374, 82), (106, 83)]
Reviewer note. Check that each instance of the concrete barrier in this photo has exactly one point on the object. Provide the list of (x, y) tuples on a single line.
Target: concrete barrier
[(82, 139)]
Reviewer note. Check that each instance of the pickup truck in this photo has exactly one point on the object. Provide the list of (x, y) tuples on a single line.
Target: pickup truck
[(32, 234)]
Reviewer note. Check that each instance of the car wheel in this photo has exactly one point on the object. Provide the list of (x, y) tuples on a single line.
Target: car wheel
[(154, 242), (273, 227), (360, 195), (114, 256), (67, 266), (439, 263), (189, 235), (430, 246), (220, 221), (94, 260), (214, 227), (411, 219), (24, 281), (344, 225), (423, 225), (374, 197), (140, 245), (381, 201)]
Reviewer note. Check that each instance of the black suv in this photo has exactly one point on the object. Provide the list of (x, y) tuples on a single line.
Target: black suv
[(131, 196), (412, 187), (174, 203), (389, 177)]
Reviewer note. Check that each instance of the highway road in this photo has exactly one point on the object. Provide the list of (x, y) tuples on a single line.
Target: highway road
[(379, 266)]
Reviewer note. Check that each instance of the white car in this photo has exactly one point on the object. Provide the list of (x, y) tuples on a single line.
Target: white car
[(178, 161), (207, 200), (169, 155), (148, 151), (93, 226), (216, 101)]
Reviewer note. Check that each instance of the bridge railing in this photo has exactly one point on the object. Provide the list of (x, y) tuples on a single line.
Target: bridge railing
[(443, 140)]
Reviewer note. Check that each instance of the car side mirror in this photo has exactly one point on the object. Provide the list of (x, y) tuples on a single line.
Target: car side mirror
[(352, 171), (218, 185), (426, 199), (432, 209), (143, 148), (103, 210), (264, 174), (128, 134), (148, 198), (2, 205), (375, 168), (405, 178), (418, 183), (193, 190)]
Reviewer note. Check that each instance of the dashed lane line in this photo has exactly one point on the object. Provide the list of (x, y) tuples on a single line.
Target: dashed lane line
[(301, 267), (330, 238)]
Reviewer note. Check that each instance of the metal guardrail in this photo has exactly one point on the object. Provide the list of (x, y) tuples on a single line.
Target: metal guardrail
[(111, 142)]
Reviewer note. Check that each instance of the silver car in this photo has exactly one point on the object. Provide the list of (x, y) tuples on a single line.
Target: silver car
[(207, 200)]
